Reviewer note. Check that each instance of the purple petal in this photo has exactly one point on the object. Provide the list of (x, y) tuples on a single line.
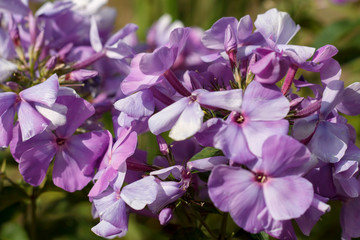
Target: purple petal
[(95, 40), (107, 175), (6, 127), (165, 172), (276, 190), (119, 51), (34, 162), (78, 111), (167, 117), (324, 53), (122, 33), (137, 80), (350, 102), (331, 70), (230, 100), (178, 38), (7, 100), (167, 192), (116, 214), (275, 228), (140, 193), (15, 7), (137, 105), (277, 26), (56, 114), (264, 102), (297, 54), (30, 121), (188, 123), (304, 127), (157, 62), (282, 156), (331, 97), (207, 164), (214, 37), (256, 138), (244, 27), (329, 142), (45, 93), (123, 148), (107, 230)]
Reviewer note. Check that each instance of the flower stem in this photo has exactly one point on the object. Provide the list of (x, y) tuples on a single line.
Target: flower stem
[(223, 226), (33, 215)]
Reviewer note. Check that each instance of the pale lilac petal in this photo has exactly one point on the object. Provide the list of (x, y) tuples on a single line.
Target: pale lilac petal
[(214, 37), (276, 190), (324, 53), (34, 162), (275, 228), (95, 40), (345, 169), (119, 51), (30, 121), (137, 80), (270, 69), (45, 93), (329, 142), (297, 54), (331, 70), (207, 164), (122, 33), (56, 114), (256, 138), (225, 182), (7, 99), (230, 100), (137, 105), (331, 97), (165, 172), (178, 38), (101, 184), (140, 193), (188, 123), (277, 26), (244, 27), (6, 127), (107, 230), (304, 127), (283, 156), (78, 111), (116, 214), (157, 62), (350, 102), (123, 148), (312, 215), (165, 216), (349, 187), (67, 173), (167, 117), (167, 192), (15, 7), (264, 102)]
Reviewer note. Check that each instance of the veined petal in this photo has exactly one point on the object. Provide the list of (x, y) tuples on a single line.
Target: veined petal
[(140, 193), (31, 122), (167, 117), (107, 230), (294, 193), (230, 100), (188, 123), (34, 163), (264, 102), (56, 113), (95, 40), (45, 93), (7, 99)]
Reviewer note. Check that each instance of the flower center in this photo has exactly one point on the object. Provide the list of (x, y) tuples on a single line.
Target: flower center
[(260, 177), (240, 119), (60, 141)]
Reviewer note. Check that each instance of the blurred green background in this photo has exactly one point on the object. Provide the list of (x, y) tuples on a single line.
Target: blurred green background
[(62, 215)]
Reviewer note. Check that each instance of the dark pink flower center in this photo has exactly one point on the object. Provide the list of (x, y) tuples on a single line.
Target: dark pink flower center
[(260, 177), (60, 141)]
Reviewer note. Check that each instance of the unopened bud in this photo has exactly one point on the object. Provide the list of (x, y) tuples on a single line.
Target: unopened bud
[(230, 43), (164, 148), (65, 50), (81, 75), (50, 64), (13, 86), (165, 216)]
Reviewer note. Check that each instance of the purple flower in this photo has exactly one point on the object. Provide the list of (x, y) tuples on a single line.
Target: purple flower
[(75, 155), (239, 137), (246, 194)]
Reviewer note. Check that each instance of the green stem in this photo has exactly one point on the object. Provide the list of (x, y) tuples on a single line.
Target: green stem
[(223, 226), (33, 214)]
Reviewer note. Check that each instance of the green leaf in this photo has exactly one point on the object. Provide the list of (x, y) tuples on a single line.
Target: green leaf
[(206, 153), (10, 231)]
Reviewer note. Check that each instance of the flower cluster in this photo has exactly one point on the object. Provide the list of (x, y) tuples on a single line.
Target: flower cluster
[(231, 127)]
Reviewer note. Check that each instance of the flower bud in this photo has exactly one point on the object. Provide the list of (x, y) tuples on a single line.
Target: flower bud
[(81, 75), (230, 43), (164, 148), (50, 64), (165, 216)]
